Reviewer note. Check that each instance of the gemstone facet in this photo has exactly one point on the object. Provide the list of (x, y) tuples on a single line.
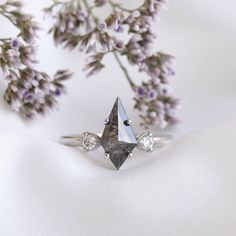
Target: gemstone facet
[(118, 139)]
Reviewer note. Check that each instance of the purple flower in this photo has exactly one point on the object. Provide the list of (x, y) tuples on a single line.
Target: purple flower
[(152, 95), (102, 26), (164, 90), (15, 43), (119, 45), (141, 92), (58, 92), (11, 76), (28, 97), (82, 15), (119, 28)]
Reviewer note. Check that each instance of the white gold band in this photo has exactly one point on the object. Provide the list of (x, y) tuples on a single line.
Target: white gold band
[(90, 142)]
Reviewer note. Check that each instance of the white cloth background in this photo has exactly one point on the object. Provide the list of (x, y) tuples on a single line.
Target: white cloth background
[(186, 189)]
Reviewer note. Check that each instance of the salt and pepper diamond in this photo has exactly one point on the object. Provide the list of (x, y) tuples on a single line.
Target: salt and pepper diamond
[(118, 139)]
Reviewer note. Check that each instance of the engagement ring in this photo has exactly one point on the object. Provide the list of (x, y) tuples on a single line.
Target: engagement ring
[(118, 139)]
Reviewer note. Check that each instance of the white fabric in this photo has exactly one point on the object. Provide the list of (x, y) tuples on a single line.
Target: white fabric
[(186, 189)]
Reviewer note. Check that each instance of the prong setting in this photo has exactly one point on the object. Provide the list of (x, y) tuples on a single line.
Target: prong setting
[(106, 121), (128, 122), (131, 155), (107, 155), (151, 149)]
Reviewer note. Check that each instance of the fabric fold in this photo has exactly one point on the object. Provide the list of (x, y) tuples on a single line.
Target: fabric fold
[(187, 188)]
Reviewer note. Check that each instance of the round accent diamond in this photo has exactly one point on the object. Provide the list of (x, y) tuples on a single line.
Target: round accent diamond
[(146, 141), (90, 141)]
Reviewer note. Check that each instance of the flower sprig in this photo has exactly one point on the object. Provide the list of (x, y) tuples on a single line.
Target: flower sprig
[(29, 91), (77, 26)]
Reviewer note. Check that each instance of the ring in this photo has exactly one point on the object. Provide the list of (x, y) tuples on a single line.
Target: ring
[(118, 139)]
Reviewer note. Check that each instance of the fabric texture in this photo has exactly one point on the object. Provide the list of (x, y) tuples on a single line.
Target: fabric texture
[(186, 189)]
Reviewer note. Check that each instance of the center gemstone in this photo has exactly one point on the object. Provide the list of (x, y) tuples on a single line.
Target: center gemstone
[(118, 139)]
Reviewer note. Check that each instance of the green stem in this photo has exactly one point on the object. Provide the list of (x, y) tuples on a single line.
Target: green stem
[(5, 39), (89, 9), (123, 68), (8, 18), (56, 3), (117, 5)]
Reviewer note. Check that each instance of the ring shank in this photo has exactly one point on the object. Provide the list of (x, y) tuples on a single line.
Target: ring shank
[(72, 140), (77, 140)]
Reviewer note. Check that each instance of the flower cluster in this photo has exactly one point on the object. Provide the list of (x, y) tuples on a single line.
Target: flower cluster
[(99, 36), (73, 22), (33, 92), (153, 98), (12, 10), (29, 91)]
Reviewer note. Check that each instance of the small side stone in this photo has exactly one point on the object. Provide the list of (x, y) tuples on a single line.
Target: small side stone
[(91, 142), (146, 142)]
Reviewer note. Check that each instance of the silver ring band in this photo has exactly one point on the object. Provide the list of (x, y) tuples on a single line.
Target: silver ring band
[(81, 141)]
